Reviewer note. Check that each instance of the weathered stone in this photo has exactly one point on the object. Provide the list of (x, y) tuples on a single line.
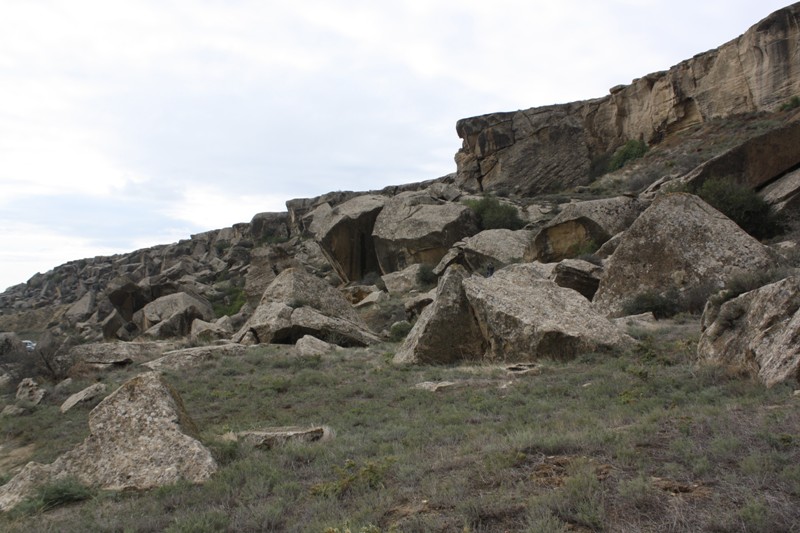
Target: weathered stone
[(270, 437), (297, 304), (784, 195), (127, 297), (415, 228), (310, 346), (551, 148), (414, 305), (755, 162), (578, 275), (194, 357), (375, 298), (495, 247), (582, 227), (140, 437), (10, 344), (89, 393), (679, 243), (118, 353), (756, 332), (82, 309), (270, 227), (30, 391), (345, 236), (405, 280), (172, 315), (432, 339), (210, 331), (524, 318), (356, 293)]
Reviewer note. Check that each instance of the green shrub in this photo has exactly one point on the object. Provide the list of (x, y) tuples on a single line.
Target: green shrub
[(229, 302), (54, 494), (662, 306), (628, 152), (426, 277), (742, 205), (399, 330), (493, 214), (793, 103)]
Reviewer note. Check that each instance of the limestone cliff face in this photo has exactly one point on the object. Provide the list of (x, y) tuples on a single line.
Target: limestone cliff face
[(546, 149)]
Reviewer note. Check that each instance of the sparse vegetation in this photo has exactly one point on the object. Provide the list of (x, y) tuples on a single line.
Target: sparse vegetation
[(59, 492), (793, 103), (426, 277), (628, 152), (742, 205), (661, 305), (229, 301), (494, 214), (637, 441)]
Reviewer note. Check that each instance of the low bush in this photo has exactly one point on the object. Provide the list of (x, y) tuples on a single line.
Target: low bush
[(54, 494), (493, 214), (742, 205), (793, 103), (399, 331), (229, 301), (661, 305), (628, 152), (426, 277)]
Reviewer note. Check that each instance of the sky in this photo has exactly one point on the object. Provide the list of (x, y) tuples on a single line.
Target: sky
[(129, 124)]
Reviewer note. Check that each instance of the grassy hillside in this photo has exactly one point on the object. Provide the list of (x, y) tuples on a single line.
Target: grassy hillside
[(640, 441)]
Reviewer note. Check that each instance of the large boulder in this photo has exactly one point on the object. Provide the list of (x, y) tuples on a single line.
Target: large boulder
[(582, 227), (756, 161), (10, 346), (496, 247), (298, 304), (679, 244), (756, 332), (784, 195), (525, 317), (30, 391), (172, 315), (140, 437), (446, 331), (345, 235), (416, 228), (114, 354), (578, 275)]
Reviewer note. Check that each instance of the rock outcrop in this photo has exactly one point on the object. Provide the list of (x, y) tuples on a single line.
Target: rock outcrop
[(431, 340), (172, 315), (548, 149), (582, 227), (297, 304), (29, 391), (514, 315), (416, 228), (88, 394), (524, 318), (756, 332), (140, 438), (756, 162), (345, 235), (187, 358), (679, 243)]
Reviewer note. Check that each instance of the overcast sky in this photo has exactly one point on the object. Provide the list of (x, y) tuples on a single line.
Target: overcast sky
[(125, 124)]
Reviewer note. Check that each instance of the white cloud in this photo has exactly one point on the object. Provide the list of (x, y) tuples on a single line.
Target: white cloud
[(154, 119)]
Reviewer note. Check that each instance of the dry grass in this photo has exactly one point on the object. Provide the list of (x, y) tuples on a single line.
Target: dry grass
[(640, 441)]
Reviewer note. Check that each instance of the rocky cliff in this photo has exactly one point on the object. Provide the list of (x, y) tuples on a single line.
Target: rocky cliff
[(547, 149)]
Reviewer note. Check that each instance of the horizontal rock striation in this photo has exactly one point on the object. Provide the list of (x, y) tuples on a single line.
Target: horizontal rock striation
[(547, 149)]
